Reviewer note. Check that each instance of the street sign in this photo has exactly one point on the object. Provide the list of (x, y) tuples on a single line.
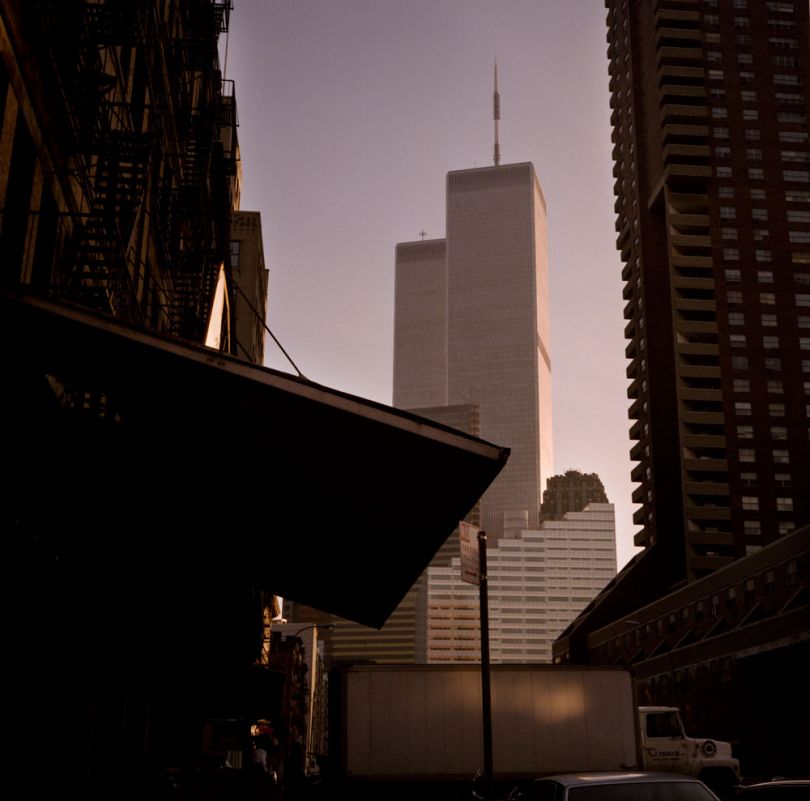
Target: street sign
[(470, 563)]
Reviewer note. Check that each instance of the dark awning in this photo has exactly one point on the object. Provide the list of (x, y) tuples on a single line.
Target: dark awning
[(204, 464)]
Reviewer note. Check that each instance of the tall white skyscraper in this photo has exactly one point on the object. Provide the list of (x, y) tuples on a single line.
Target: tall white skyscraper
[(472, 326)]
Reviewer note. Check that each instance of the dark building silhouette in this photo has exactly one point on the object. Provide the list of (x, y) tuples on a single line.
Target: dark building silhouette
[(571, 492), (710, 112), (145, 521)]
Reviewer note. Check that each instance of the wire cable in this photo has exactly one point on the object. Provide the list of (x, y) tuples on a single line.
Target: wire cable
[(266, 328)]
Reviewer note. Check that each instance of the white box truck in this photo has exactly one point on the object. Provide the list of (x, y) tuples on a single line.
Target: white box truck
[(394, 723)]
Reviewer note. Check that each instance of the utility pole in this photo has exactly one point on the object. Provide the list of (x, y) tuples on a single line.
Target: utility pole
[(486, 693)]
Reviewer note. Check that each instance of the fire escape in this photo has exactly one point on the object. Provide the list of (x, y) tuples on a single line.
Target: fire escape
[(140, 157)]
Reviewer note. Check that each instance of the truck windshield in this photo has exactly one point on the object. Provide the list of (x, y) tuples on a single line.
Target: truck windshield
[(664, 724)]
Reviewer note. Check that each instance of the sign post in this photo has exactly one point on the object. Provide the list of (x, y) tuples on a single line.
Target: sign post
[(474, 571)]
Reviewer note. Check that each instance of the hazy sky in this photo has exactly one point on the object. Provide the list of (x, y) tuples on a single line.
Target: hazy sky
[(351, 113)]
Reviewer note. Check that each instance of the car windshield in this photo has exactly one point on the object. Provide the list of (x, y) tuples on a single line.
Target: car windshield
[(641, 791)]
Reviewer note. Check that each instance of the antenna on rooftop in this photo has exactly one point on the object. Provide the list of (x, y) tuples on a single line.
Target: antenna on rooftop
[(496, 116)]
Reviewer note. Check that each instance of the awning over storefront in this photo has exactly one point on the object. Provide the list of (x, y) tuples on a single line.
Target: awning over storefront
[(192, 462)]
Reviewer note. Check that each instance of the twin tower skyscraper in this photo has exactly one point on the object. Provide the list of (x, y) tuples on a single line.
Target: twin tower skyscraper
[(471, 331)]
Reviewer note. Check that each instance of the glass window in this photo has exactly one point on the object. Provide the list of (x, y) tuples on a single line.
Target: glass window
[(728, 233), (733, 275), (768, 320), (736, 318), (747, 454), (767, 298), (731, 254), (793, 136), (750, 503), (775, 387), (745, 432), (776, 409), (784, 504), (781, 457), (778, 432), (729, 212), (764, 276), (742, 408), (735, 296), (741, 385)]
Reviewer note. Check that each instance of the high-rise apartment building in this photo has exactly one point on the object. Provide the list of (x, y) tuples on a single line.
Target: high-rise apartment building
[(472, 326), (712, 167)]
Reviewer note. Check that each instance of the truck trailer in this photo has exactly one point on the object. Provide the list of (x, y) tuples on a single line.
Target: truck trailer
[(400, 724)]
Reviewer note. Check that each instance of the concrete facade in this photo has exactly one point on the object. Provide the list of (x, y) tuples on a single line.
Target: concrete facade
[(539, 581)]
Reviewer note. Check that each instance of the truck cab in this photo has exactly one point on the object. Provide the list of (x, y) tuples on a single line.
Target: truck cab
[(665, 746)]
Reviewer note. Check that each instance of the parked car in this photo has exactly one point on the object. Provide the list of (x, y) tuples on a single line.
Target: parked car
[(778, 790), (614, 786)]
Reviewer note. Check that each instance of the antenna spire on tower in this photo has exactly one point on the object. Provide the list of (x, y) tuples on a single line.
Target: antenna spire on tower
[(496, 116)]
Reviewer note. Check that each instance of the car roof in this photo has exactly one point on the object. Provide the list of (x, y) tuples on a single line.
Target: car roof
[(778, 783), (615, 777)]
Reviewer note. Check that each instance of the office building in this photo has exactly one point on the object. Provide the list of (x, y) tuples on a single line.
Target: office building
[(472, 326), (571, 492), (539, 581), (710, 110)]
